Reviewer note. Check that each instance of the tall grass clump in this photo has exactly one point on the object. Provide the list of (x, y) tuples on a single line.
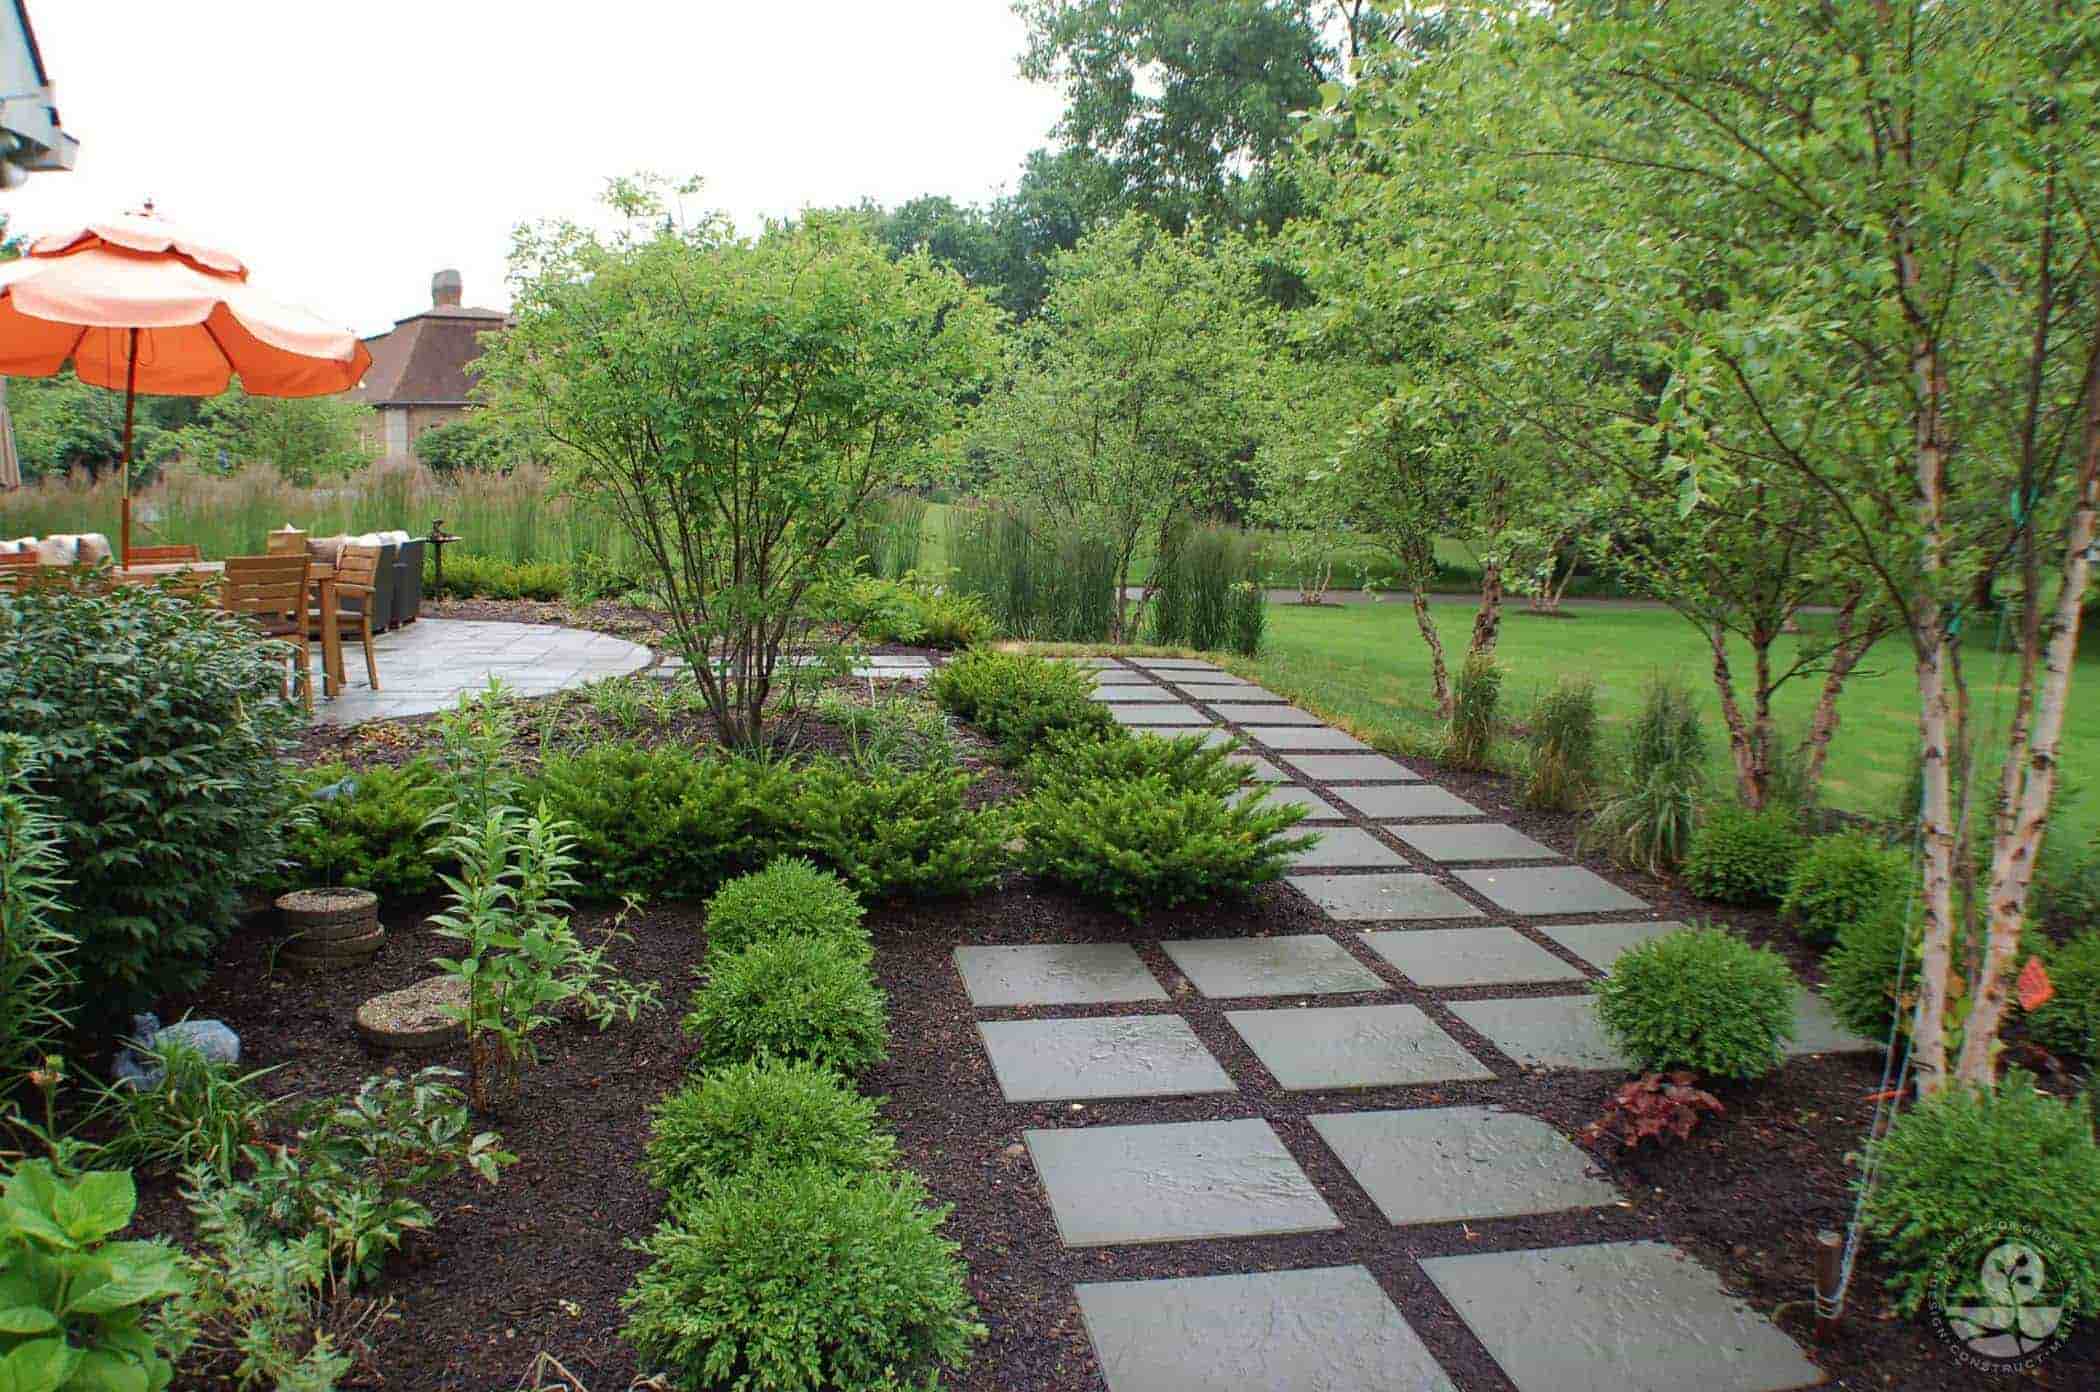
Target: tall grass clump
[(889, 536), (1470, 737), (1202, 590), (1041, 579), (36, 974), (1563, 746), (1647, 819)]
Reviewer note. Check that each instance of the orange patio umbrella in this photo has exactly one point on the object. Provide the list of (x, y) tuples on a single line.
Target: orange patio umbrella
[(135, 303)]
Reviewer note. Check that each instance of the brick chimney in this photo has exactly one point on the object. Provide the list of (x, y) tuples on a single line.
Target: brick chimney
[(445, 290)]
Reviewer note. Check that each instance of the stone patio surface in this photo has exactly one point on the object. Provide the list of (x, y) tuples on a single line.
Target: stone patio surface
[(1354, 1046), (1179, 713), (1291, 737), (1348, 848), (1147, 691), (1056, 974), (1445, 1164), (1330, 1329), (1353, 768), (1317, 808), (1369, 898), (1441, 957), (1238, 713), (1400, 801), (1601, 944), (1115, 1056), (427, 665), (1549, 889), (1177, 1182), (1544, 1031), (1305, 965), (1465, 842)]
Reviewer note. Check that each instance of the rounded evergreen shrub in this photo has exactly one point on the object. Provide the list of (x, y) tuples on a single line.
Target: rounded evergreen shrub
[(2070, 1022), (761, 1118), (789, 897), (791, 998), (1143, 843), (891, 832), (1842, 879), (368, 829), (1744, 857), (1019, 700), (1859, 974), (803, 1280), (1702, 999), (160, 731), (1966, 1167)]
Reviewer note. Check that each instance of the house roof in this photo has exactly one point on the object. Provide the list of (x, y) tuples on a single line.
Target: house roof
[(423, 360)]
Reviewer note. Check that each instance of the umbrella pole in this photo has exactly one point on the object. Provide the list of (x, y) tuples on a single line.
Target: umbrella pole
[(131, 382)]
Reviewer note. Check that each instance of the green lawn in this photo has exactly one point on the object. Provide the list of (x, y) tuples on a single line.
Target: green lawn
[(1367, 664)]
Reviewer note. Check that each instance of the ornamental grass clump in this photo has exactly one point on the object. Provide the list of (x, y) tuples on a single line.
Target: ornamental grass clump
[(1645, 821), (762, 1118), (804, 1280), (1738, 856), (1470, 737), (1563, 747), (789, 897), (792, 998), (1700, 999)]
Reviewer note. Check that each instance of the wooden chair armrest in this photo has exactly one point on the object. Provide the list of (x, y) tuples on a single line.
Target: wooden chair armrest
[(344, 587)]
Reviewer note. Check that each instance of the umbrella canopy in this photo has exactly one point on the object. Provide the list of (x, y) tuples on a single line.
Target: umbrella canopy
[(138, 305)]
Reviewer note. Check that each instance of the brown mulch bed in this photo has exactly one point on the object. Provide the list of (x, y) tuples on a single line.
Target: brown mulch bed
[(538, 1263)]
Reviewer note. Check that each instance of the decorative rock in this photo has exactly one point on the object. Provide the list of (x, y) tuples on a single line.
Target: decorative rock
[(414, 1019), (213, 1039), (315, 915)]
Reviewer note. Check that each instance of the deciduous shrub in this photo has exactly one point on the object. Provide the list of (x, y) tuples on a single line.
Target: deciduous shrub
[(766, 1117), (791, 998), (1645, 820), (1743, 857), (789, 897), (1018, 700), (160, 729), (1188, 763), (369, 829), (1700, 999), (1563, 747), (1144, 843), (889, 832), (803, 1281), (1842, 879), (1474, 696), (1859, 973), (1966, 1169), (2070, 1022)]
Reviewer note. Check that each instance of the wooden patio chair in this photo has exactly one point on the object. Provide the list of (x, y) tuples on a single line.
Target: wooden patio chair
[(165, 555), (17, 569), (356, 578), (271, 590)]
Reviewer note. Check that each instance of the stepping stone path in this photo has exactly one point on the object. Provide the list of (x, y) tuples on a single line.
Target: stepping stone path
[(1460, 954)]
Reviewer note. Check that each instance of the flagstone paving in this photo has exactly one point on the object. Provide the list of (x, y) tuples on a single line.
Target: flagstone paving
[(428, 665), (1610, 1315)]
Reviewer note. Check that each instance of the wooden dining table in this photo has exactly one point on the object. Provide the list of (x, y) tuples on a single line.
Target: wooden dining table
[(320, 575)]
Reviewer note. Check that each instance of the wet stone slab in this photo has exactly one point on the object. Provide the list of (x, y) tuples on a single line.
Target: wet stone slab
[(1290, 738), (1116, 1056), (1227, 691), (1443, 957), (1241, 713), (1369, 898), (1177, 714), (1398, 802), (1329, 1329), (1601, 944), (1817, 1031), (1544, 1031), (1178, 664), (1258, 768), (1135, 691), (1348, 848), (1353, 768), (1444, 1164), (1176, 1182), (1317, 808), (1617, 1317), (1120, 676), (1354, 1046), (1548, 889), (1055, 974), (1308, 964), (1492, 841)]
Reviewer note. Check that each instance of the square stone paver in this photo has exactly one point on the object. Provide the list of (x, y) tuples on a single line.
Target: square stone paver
[(1442, 1164), (1176, 714), (1135, 691), (1330, 1329), (1259, 714), (1109, 1056), (1617, 1317), (1544, 1031), (1601, 944), (1055, 974), (1121, 676), (1354, 1046), (1300, 965), (1492, 841), (1399, 801), (1348, 848), (1227, 691), (1317, 808), (1817, 1031), (1546, 889), (1178, 664), (1176, 1182), (1215, 738), (1368, 898), (1353, 768), (1258, 768), (1441, 957), (1296, 737)]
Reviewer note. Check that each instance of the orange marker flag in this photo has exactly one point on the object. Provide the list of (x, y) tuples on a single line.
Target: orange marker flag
[(2035, 986)]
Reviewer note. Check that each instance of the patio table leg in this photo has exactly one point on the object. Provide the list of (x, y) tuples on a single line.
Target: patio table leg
[(331, 639)]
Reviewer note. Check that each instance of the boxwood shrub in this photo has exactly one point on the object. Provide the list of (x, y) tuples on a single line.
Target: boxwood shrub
[(790, 896), (1859, 973), (791, 998), (161, 733), (1019, 700), (806, 1280), (1702, 999), (1743, 857), (761, 1118), (1843, 879)]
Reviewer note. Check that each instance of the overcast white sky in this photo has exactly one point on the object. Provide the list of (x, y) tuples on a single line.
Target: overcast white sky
[(346, 152)]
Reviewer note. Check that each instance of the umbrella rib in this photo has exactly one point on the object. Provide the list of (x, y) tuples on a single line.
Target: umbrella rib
[(213, 335)]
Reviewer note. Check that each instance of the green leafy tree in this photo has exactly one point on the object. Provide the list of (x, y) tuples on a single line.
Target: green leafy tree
[(1135, 394), (736, 405), (305, 439)]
